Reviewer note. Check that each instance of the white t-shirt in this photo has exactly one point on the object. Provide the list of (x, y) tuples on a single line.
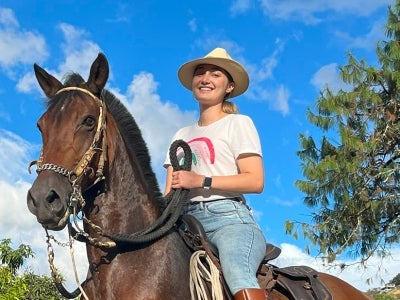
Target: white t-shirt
[(215, 149)]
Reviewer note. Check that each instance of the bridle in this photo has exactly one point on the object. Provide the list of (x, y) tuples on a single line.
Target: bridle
[(77, 201), (82, 165)]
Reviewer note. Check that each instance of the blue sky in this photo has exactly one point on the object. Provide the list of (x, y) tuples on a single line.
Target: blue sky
[(291, 49)]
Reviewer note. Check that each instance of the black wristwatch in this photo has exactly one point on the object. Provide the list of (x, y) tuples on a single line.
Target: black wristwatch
[(207, 183)]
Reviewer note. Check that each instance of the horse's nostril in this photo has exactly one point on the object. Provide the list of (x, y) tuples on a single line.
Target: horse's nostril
[(52, 196)]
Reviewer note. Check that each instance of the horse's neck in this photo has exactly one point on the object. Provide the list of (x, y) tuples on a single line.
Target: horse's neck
[(126, 206)]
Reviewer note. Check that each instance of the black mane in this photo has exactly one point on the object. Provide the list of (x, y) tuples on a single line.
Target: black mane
[(129, 131)]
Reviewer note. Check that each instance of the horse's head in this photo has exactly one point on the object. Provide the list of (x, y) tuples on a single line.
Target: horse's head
[(72, 131)]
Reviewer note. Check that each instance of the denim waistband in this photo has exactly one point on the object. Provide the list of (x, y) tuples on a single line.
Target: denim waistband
[(236, 199)]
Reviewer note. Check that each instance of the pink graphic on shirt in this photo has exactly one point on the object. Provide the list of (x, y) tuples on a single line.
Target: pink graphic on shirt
[(204, 148), (202, 151)]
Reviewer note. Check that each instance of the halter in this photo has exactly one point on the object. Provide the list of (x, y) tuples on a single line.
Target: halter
[(74, 174)]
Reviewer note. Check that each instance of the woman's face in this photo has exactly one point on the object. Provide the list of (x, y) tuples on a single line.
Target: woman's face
[(210, 84)]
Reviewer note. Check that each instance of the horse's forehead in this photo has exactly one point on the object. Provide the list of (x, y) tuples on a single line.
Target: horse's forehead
[(71, 106)]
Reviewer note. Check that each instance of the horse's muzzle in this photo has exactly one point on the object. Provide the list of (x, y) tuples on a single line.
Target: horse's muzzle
[(48, 200)]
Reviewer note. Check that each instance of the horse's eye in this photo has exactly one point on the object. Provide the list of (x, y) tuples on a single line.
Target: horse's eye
[(89, 121)]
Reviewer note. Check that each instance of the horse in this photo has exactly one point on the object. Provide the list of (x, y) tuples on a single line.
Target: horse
[(95, 162)]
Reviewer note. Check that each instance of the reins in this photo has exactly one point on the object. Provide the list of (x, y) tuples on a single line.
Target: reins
[(175, 200)]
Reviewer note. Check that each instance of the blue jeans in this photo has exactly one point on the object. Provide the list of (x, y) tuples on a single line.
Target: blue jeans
[(241, 244)]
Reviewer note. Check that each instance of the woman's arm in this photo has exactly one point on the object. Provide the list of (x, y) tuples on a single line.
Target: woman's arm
[(249, 180)]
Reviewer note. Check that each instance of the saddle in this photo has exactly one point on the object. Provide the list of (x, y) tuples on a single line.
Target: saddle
[(295, 282)]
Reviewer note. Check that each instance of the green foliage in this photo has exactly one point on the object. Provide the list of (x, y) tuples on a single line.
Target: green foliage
[(396, 280), (353, 185), (385, 297), (40, 288), (26, 286), (11, 287), (14, 259)]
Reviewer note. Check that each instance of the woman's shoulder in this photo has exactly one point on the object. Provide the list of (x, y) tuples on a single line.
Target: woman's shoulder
[(240, 118)]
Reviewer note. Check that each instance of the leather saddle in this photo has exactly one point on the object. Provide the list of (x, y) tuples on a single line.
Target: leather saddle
[(295, 282)]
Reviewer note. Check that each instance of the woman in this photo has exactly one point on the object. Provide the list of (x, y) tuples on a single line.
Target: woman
[(227, 163)]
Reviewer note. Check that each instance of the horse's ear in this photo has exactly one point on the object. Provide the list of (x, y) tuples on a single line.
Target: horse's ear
[(49, 84), (98, 74)]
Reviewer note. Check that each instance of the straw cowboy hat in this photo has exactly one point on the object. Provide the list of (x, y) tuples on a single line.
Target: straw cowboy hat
[(218, 57)]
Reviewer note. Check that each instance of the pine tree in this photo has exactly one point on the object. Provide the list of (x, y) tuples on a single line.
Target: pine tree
[(353, 185)]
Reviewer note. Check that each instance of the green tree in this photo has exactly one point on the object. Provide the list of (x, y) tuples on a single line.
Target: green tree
[(385, 297), (11, 286), (27, 286), (353, 184), (14, 259), (396, 280)]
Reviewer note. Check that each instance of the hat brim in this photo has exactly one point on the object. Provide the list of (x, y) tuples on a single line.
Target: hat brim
[(236, 70)]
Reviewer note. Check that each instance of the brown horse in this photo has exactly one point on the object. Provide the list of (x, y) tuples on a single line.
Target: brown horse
[(95, 161)]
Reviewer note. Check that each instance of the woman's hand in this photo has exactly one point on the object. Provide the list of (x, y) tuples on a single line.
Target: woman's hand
[(186, 180)]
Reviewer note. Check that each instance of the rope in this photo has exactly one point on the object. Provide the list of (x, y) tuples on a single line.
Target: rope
[(71, 251), (200, 274), (176, 199)]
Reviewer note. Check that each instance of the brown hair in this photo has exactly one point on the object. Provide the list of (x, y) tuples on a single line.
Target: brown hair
[(229, 107)]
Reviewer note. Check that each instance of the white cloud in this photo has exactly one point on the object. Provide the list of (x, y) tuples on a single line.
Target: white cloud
[(262, 87), (367, 41), (193, 24), (7, 18), (240, 7), (308, 14), (79, 54), (281, 102), (328, 76), (14, 156), (18, 46), (79, 51)]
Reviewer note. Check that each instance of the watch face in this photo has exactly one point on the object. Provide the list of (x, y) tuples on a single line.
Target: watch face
[(207, 183)]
